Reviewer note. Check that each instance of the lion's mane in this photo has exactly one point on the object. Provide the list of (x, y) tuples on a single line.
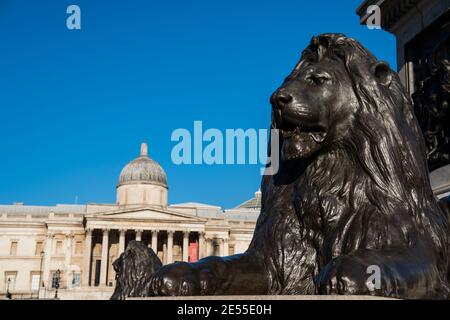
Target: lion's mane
[(368, 191), (134, 269)]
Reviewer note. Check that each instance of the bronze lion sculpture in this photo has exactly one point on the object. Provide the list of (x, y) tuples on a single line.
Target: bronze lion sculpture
[(134, 269), (351, 193)]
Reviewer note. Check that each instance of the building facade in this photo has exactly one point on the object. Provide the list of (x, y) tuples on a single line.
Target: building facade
[(79, 243)]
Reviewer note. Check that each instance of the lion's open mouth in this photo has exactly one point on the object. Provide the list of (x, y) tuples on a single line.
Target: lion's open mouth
[(316, 133), (317, 136), (300, 140)]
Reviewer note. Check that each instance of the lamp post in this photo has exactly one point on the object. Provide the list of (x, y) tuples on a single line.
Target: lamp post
[(40, 273), (58, 278), (8, 294)]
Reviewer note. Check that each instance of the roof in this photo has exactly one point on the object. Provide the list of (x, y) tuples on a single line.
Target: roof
[(253, 203), (143, 170), (42, 210), (194, 205)]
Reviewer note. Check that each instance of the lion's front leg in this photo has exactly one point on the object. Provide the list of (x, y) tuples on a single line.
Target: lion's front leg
[(399, 273), (182, 279), (238, 274)]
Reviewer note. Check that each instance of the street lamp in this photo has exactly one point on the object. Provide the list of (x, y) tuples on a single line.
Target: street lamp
[(58, 278), (8, 294), (40, 273)]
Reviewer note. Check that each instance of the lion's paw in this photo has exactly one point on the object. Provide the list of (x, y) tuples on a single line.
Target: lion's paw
[(181, 279), (344, 275)]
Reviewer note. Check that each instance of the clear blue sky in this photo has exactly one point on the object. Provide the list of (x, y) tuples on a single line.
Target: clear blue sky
[(75, 105)]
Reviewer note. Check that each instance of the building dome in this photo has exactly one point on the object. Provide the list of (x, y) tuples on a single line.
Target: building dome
[(142, 182), (143, 170)]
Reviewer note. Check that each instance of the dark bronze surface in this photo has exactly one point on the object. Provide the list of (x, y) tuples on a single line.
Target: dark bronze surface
[(432, 108), (352, 192), (134, 269)]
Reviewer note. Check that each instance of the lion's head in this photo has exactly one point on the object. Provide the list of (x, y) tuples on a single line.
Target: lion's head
[(134, 269), (338, 85)]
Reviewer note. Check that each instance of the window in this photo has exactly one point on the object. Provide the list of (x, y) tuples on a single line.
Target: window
[(76, 281), (13, 249), (56, 280), (35, 281), (78, 247), (39, 247), (59, 245), (10, 280)]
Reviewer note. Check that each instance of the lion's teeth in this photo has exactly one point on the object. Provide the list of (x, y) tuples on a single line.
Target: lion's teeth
[(318, 136)]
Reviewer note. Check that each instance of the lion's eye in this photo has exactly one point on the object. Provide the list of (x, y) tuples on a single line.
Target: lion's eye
[(318, 79)]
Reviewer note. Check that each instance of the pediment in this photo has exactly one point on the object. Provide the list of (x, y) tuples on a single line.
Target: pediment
[(144, 214)]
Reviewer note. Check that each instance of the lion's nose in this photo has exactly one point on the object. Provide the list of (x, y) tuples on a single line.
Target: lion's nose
[(281, 98)]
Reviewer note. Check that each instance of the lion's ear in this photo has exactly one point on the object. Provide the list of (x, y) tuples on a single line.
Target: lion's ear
[(382, 72)]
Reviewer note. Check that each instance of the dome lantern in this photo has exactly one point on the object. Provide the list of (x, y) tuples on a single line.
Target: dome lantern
[(144, 149)]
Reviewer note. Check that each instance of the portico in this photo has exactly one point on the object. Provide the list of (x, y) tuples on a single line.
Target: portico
[(173, 236)]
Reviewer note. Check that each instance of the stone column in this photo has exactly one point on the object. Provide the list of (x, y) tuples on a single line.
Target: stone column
[(221, 247), (68, 259), (201, 245), (209, 247), (104, 263), (164, 259), (138, 235), (87, 257), (155, 241), (122, 241), (170, 246), (225, 247), (47, 259), (185, 246)]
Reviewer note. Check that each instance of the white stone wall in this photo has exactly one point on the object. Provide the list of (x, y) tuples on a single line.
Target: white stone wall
[(142, 194), (25, 260)]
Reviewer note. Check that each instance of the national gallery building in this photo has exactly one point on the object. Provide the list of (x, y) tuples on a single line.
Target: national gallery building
[(79, 243)]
